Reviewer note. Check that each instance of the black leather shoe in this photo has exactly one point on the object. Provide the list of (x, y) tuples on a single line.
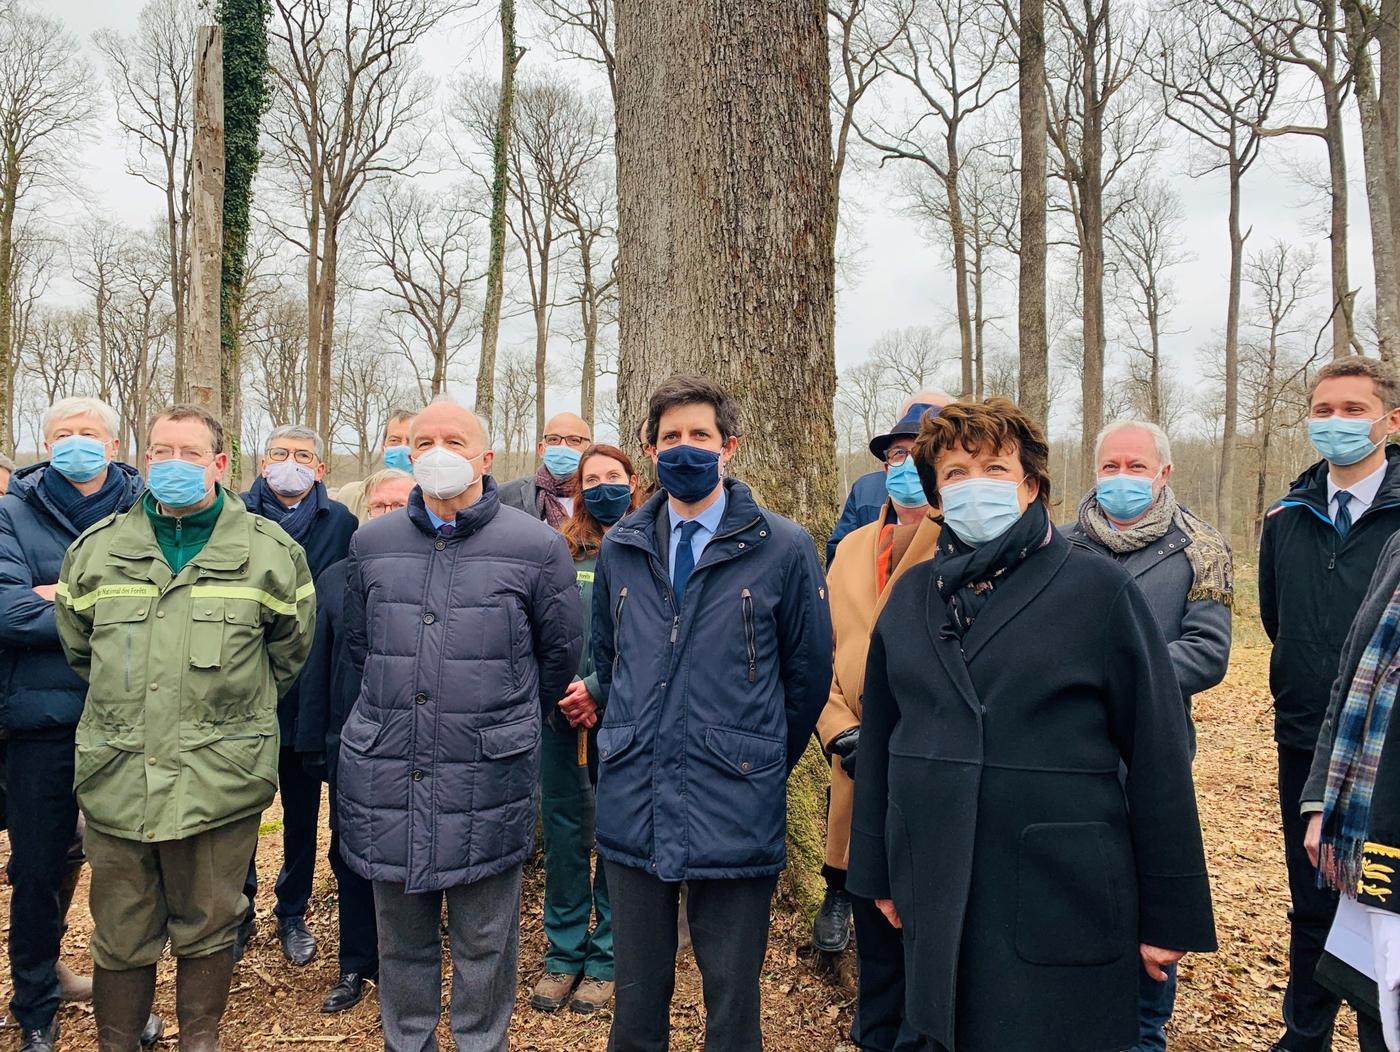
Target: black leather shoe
[(346, 993), (40, 1040), (831, 930), (298, 944), (245, 932)]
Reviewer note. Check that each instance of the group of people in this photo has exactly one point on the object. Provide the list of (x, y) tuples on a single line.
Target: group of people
[(1005, 706)]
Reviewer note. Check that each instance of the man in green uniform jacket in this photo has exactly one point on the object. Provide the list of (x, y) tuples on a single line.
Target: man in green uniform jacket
[(188, 616)]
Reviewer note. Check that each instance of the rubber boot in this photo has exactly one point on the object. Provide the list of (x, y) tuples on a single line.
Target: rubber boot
[(201, 994), (121, 1006), (71, 985)]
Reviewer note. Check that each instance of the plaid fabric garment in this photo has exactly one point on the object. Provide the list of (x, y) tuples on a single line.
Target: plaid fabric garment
[(1356, 754)]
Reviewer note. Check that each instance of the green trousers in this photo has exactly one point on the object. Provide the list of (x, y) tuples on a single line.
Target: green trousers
[(577, 917)]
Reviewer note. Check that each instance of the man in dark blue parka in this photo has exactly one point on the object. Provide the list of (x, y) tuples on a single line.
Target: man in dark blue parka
[(712, 644), (48, 506), (289, 491)]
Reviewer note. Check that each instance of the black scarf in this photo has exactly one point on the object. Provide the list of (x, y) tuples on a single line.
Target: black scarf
[(296, 521), (968, 576), (82, 511)]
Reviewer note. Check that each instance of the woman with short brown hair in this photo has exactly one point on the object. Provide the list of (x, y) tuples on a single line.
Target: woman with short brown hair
[(990, 819)]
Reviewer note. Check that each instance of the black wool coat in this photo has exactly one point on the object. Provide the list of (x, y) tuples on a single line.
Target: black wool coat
[(989, 805)]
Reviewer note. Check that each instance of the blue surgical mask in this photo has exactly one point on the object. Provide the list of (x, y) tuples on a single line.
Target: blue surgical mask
[(688, 473), (561, 461), (397, 457), (78, 458), (1125, 497), (980, 510), (1342, 441), (903, 485), (608, 501), (177, 483)]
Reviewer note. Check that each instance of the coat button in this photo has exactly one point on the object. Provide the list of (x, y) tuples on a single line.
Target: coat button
[(744, 766), (150, 836), (428, 619), (208, 613), (417, 776), (439, 545), (420, 698), (151, 760), (160, 613), (604, 753), (155, 686)]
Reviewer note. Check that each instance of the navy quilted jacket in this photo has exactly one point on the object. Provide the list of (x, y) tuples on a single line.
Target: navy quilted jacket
[(459, 645)]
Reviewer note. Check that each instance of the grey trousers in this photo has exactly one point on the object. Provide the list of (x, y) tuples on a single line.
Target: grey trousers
[(483, 923)]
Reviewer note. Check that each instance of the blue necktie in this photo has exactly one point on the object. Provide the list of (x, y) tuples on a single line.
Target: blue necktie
[(685, 560), (447, 529), (1343, 519)]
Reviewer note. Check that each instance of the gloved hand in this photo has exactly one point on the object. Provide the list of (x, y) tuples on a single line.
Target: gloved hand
[(844, 746), (1385, 944)]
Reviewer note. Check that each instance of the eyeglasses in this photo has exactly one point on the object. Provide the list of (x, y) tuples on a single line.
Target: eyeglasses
[(194, 456), (896, 457), (301, 456), (384, 507), (572, 441)]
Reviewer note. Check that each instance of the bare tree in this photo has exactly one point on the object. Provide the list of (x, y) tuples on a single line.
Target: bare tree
[(1274, 367), (1033, 89), (367, 390), (1307, 35), (515, 386), (151, 74), (347, 101), (421, 247), (33, 252), (583, 30), (60, 356), (953, 58), (275, 337), (909, 359), (589, 208), (1220, 90), (140, 323), (1099, 126), (862, 397), (45, 101), (93, 258), (1146, 247)]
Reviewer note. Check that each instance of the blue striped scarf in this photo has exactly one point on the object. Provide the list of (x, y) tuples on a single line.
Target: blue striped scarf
[(1356, 754)]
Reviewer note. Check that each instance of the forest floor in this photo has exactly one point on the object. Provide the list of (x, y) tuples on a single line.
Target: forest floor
[(1228, 1000)]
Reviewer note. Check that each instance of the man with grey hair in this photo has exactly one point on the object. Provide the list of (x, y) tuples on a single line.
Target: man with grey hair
[(49, 504), (1183, 567), (289, 490), (462, 628), (867, 500)]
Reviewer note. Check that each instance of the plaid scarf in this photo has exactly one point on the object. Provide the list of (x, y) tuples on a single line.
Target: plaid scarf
[(1356, 754), (548, 490)]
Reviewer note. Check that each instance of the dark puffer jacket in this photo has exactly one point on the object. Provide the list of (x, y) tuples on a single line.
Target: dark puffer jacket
[(459, 644), (41, 694), (709, 704)]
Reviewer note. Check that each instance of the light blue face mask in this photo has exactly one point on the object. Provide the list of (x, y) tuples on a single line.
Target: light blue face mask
[(903, 485), (397, 457), (177, 483), (561, 461), (1125, 497), (1342, 441), (78, 458), (980, 510)]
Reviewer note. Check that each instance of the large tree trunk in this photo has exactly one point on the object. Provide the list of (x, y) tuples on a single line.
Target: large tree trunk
[(7, 305), (1225, 483), (958, 228), (542, 327), (1388, 33), (201, 373), (319, 409), (1034, 387), (588, 316), (1091, 254), (1379, 175), (725, 255), (495, 269), (1341, 313)]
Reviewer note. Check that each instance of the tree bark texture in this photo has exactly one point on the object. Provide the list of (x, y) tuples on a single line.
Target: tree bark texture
[(1225, 482), (203, 385), (1034, 387), (725, 252), (495, 270)]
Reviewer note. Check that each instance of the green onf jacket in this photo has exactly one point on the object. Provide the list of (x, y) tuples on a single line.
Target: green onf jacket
[(179, 733)]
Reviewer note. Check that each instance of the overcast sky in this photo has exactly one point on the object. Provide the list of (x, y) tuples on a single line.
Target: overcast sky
[(899, 277)]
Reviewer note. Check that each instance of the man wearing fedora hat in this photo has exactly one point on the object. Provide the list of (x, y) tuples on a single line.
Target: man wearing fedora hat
[(866, 501), (871, 559)]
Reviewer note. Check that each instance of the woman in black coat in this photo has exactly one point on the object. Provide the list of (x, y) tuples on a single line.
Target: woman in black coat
[(991, 818)]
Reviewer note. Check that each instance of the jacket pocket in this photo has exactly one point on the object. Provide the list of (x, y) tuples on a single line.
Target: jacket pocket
[(207, 634), (899, 856), (118, 647), (110, 785), (1067, 912), (510, 739), (613, 742), (744, 752)]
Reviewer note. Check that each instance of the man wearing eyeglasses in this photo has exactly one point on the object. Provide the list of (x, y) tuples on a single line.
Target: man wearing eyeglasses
[(549, 494), (188, 617), (289, 490)]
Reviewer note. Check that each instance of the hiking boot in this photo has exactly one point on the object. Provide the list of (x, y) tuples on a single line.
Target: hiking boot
[(71, 985), (201, 995), (552, 991), (831, 930), (591, 995)]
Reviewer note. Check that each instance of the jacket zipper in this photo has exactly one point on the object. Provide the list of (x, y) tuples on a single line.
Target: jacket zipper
[(747, 598), (617, 627)]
